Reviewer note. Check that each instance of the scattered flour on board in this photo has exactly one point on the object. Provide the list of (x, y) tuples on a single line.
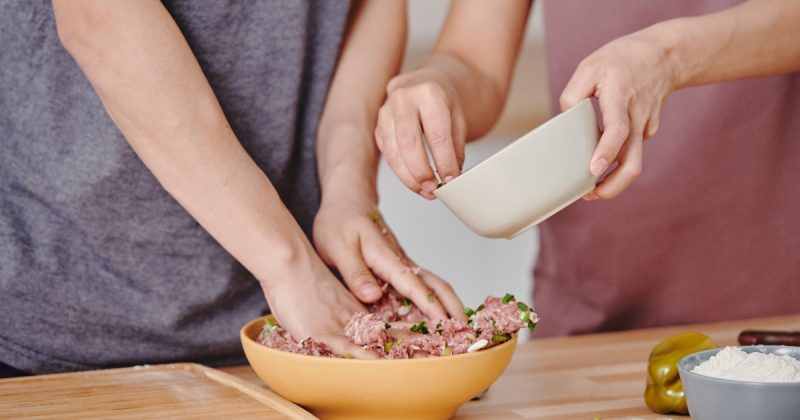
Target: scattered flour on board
[(734, 364)]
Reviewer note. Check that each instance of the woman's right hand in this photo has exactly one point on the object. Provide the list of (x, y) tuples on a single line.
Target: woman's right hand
[(315, 304), (422, 107)]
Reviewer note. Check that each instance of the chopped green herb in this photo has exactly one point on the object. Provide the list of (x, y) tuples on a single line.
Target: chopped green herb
[(447, 351), (494, 326), (375, 216), (271, 322), (479, 308), (508, 298), (406, 302), (438, 328), (349, 356), (522, 306), (524, 316), (388, 346), (468, 311), (420, 328), (531, 325), (387, 325), (430, 296), (500, 338)]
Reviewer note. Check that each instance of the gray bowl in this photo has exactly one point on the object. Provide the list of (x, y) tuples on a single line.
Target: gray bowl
[(715, 399)]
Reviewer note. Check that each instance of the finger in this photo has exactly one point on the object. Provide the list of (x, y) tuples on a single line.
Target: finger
[(384, 137), (341, 346), (616, 123), (385, 263), (357, 276), (581, 85), (408, 135), (655, 116), (445, 293), (459, 136), (437, 125), (629, 169)]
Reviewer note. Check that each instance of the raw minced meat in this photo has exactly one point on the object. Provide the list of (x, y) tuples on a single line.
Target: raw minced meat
[(367, 330), (394, 307), (492, 323), (280, 339)]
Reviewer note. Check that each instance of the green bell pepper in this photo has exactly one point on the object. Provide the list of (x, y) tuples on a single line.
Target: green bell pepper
[(664, 391)]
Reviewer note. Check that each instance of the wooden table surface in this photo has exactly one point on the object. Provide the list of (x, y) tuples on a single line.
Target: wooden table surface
[(584, 377)]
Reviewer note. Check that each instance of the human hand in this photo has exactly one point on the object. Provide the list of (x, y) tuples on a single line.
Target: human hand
[(632, 77), (313, 303), (352, 236), (422, 106)]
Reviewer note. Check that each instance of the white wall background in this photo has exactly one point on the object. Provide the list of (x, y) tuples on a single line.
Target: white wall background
[(431, 235)]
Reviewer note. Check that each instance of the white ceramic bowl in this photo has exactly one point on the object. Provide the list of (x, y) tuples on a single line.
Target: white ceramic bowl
[(530, 179)]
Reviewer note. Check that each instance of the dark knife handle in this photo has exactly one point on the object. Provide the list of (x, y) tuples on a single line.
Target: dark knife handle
[(778, 338)]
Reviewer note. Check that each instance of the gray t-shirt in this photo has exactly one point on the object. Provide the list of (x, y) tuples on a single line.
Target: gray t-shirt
[(99, 266)]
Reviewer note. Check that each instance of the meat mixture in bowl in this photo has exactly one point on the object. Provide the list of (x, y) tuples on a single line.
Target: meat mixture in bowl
[(491, 323)]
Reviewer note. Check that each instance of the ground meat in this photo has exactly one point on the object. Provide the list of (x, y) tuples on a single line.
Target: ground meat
[(497, 318), (280, 339), (458, 334), (367, 330), (394, 307), (494, 322), (421, 345)]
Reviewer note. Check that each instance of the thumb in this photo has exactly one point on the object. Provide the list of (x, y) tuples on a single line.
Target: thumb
[(580, 86)]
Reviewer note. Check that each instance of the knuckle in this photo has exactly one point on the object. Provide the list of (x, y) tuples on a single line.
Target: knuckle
[(632, 170), (384, 113), (360, 276), (431, 90), (619, 129), (437, 138), (405, 137), (390, 154)]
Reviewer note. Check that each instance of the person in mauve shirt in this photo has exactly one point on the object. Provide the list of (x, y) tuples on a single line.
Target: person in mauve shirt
[(700, 104)]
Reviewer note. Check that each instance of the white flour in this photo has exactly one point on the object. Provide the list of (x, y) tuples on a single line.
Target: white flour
[(732, 363)]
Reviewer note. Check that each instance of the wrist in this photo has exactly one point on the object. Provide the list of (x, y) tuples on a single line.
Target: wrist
[(287, 262), (348, 163), (350, 187), (673, 39)]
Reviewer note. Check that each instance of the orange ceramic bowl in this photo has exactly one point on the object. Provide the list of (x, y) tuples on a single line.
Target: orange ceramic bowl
[(331, 388)]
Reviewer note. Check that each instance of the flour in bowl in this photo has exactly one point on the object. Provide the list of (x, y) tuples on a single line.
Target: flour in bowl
[(734, 364)]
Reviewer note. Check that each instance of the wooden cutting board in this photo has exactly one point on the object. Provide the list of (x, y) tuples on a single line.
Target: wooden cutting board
[(175, 391)]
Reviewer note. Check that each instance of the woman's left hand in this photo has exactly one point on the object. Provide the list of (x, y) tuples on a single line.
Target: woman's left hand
[(631, 77), (352, 236)]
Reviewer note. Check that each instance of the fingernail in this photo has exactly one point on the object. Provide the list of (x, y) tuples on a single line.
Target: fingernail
[(590, 197), (369, 289), (428, 186), (599, 166), (427, 195), (447, 179)]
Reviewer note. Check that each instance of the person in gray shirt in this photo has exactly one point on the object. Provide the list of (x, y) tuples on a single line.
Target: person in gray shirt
[(164, 163)]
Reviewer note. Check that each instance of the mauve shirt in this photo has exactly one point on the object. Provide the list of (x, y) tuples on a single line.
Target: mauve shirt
[(710, 229)]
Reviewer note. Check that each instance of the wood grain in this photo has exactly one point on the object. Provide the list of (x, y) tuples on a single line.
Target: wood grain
[(177, 391), (583, 377)]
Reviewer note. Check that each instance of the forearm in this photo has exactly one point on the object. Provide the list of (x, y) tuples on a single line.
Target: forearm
[(153, 88), (371, 55), (476, 51), (753, 39)]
